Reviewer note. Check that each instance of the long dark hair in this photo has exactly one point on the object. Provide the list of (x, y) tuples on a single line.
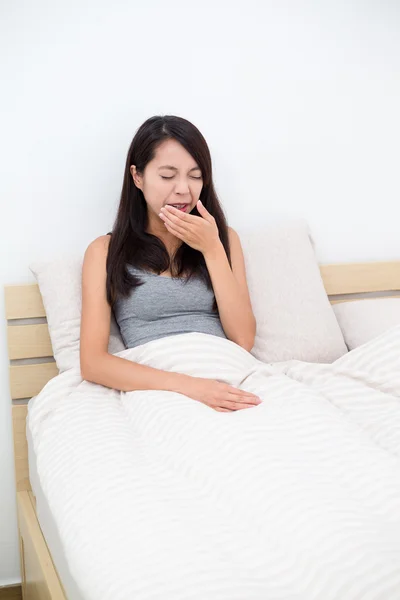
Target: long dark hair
[(130, 243)]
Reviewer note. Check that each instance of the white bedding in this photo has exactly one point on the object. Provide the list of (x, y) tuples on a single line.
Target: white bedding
[(157, 496)]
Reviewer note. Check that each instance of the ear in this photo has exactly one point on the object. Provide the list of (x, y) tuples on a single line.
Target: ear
[(137, 180)]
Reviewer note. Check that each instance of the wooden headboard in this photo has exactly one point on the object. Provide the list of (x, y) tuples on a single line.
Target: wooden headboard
[(346, 279), (27, 343), (30, 343)]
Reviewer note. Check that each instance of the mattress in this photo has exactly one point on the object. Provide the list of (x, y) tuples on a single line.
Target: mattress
[(48, 526)]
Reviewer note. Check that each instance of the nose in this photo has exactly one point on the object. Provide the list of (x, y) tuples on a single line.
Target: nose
[(182, 186)]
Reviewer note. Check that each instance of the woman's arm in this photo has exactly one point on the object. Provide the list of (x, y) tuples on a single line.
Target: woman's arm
[(231, 291), (97, 365)]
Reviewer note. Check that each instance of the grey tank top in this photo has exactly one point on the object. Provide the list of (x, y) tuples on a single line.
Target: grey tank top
[(165, 306)]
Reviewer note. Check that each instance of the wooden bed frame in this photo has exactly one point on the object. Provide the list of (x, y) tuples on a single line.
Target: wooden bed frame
[(31, 342)]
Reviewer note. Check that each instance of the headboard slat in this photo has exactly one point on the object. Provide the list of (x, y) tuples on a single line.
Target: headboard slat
[(27, 380), (29, 341), (23, 301), (353, 278)]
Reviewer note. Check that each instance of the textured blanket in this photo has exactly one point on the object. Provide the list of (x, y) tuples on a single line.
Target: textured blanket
[(159, 497)]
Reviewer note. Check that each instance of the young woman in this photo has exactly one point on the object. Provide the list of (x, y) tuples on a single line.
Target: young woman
[(170, 265)]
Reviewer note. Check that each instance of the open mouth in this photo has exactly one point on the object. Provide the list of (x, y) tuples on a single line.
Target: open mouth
[(182, 207)]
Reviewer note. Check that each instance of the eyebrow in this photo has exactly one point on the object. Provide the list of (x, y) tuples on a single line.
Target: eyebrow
[(175, 169)]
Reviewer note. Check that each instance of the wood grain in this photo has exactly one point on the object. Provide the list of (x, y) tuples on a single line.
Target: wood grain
[(40, 578), (28, 380), (28, 341), (19, 413), (23, 301), (11, 592), (352, 278)]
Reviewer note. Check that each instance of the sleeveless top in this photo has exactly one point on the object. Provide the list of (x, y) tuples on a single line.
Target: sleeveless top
[(165, 306)]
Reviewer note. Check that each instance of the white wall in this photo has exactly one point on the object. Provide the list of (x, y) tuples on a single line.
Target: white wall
[(299, 101)]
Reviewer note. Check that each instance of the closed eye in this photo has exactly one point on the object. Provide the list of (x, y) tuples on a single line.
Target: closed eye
[(163, 177)]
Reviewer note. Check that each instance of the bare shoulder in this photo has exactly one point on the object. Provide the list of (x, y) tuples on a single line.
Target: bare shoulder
[(101, 243), (238, 259), (236, 251), (98, 248), (233, 236)]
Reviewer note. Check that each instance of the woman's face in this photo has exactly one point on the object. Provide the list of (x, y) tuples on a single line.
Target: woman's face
[(172, 177)]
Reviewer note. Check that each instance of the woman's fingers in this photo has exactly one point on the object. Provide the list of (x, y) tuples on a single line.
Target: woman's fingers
[(237, 391), (247, 399), (233, 399), (235, 405)]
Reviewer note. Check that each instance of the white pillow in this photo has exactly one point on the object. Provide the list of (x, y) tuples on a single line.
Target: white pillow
[(363, 320), (60, 285), (295, 319)]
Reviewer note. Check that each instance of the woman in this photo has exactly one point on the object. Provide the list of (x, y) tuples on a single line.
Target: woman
[(171, 265)]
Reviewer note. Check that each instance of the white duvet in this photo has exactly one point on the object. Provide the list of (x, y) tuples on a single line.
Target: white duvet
[(158, 497)]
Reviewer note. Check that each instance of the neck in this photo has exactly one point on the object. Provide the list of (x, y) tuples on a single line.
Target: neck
[(157, 227)]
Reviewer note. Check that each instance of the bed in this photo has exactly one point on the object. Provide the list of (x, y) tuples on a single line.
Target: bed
[(45, 573)]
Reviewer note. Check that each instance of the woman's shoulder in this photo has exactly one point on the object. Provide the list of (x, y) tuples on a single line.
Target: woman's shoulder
[(99, 246), (232, 233)]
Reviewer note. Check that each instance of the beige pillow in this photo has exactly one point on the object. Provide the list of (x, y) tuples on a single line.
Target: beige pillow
[(363, 320), (294, 317), (60, 285)]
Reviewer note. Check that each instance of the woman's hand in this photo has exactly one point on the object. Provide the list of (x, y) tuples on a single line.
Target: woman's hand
[(201, 233), (218, 395)]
